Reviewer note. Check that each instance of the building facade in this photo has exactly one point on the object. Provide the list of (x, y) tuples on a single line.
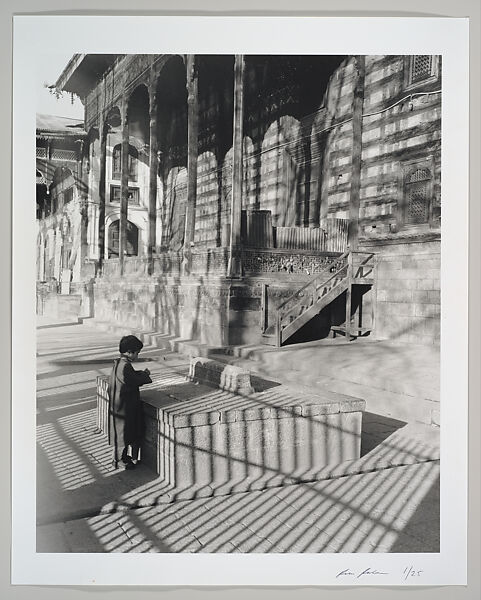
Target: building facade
[(61, 201), (227, 197)]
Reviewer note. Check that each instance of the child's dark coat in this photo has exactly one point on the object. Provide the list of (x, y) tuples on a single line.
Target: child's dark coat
[(126, 416)]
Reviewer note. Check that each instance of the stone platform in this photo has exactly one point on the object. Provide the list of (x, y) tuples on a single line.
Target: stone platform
[(204, 441)]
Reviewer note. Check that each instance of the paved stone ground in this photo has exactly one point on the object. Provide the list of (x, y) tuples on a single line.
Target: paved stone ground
[(387, 501)]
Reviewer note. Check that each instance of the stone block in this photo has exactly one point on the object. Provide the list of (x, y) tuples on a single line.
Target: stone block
[(427, 310), (388, 265), (284, 412), (313, 410), (430, 327), (427, 284), (411, 273), (194, 419), (256, 414), (421, 296), (209, 451), (400, 309), (230, 416), (224, 376), (393, 283), (255, 452), (404, 295)]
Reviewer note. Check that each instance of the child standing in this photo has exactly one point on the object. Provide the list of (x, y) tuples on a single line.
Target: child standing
[(126, 417)]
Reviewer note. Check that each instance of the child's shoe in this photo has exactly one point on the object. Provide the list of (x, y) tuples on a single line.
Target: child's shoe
[(125, 457)]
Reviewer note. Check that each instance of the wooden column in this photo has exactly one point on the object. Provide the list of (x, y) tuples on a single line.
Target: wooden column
[(192, 144), (50, 199), (356, 153), (84, 203), (84, 246), (102, 180), (153, 168), (235, 264), (264, 308), (348, 297), (124, 188), (41, 259), (374, 298)]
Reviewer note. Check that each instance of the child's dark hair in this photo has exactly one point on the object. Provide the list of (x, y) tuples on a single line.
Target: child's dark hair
[(130, 343)]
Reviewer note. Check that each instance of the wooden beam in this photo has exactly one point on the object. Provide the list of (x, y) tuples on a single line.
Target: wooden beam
[(349, 295), (356, 153), (192, 154), (124, 188), (102, 182), (235, 264), (374, 299), (153, 168), (264, 308)]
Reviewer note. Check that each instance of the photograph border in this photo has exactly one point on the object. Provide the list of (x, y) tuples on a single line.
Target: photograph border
[(470, 327)]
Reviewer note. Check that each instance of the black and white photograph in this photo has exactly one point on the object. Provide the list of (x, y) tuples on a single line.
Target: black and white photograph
[(238, 316)]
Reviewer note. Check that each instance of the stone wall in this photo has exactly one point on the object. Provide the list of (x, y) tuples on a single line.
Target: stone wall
[(408, 297), (399, 132), (189, 308), (218, 312)]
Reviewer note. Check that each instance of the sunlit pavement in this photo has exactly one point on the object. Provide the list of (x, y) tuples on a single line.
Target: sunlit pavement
[(387, 501)]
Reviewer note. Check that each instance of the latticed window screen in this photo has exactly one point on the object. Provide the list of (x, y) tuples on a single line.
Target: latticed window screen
[(64, 155), (421, 67), (417, 196), (133, 194)]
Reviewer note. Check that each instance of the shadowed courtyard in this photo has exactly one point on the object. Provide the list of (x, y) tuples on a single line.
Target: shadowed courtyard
[(385, 501)]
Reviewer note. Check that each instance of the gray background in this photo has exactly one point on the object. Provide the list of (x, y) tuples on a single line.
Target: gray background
[(455, 8)]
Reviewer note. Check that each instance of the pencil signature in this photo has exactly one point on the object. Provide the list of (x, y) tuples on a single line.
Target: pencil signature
[(368, 571), (406, 574)]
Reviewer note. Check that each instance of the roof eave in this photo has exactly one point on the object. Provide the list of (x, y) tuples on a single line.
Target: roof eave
[(62, 82), (45, 133)]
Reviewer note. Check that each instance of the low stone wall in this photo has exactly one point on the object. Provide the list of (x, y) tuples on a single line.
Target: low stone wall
[(202, 307), (63, 307), (190, 308), (204, 442), (221, 312)]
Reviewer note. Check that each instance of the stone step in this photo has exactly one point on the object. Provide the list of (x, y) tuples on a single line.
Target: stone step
[(269, 339)]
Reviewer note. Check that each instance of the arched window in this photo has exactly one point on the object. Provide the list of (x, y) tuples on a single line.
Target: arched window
[(117, 162), (132, 248)]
